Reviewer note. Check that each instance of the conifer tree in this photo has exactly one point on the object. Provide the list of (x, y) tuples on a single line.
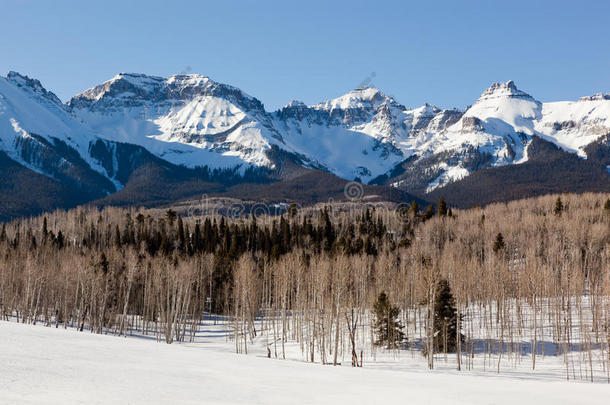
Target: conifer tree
[(45, 230), (117, 237), (170, 215), (329, 232), (103, 264), (429, 213), (181, 235), (292, 210), (498, 243), (558, 207), (60, 240), (414, 210), (388, 327), (442, 207), (445, 319), (369, 247)]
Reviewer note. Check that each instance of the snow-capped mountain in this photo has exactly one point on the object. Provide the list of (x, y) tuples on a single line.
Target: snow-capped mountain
[(185, 119), (101, 136), (38, 132), (352, 136), (495, 131), (364, 134)]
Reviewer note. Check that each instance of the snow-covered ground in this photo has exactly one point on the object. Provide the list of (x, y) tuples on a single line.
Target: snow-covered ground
[(45, 365)]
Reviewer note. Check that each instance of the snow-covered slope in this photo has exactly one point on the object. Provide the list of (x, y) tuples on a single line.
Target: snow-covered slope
[(499, 123), (185, 119), (55, 366), (364, 134), (26, 108), (497, 129), (351, 136), (193, 121), (37, 131), (575, 124)]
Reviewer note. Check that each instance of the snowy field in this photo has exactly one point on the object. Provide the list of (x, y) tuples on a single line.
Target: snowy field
[(45, 365)]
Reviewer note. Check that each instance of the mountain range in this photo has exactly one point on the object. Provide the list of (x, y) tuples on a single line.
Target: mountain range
[(138, 139)]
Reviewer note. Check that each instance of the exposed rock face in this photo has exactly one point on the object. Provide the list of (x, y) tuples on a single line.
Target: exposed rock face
[(559, 126), (471, 124), (34, 86), (503, 90), (131, 89), (596, 97)]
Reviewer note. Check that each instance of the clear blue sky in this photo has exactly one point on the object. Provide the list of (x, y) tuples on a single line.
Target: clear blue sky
[(442, 52)]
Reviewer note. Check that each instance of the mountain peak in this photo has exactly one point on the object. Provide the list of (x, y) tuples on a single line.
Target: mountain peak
[(16, 76), (139, 80), (133, 75), (296, 104), (503, 90), (124, 86), (134, 89), (366, 92), (428, 109), (596, 97), (360, 97), (189, 76), (32, 85)]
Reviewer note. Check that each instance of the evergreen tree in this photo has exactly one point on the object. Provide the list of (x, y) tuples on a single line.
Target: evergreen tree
[(429, 213), (328, 231), (445, 319), (388, 327), (292, 210), (234, 247), (103, 264), (164, 245), (558, 207), (45, 230), (414, 210), (369, 247), (442, 207), (181, 235), (170, 215), (498, 243), (117, 237), (285, 235), (59, 240)]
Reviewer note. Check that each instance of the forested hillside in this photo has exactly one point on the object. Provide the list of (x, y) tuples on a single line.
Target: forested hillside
[(549, 169)]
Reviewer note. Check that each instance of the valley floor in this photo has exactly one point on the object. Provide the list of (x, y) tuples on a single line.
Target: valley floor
[(45, 365)]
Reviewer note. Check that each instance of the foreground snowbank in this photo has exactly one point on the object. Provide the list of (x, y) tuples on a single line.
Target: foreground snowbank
[(55, 366)]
